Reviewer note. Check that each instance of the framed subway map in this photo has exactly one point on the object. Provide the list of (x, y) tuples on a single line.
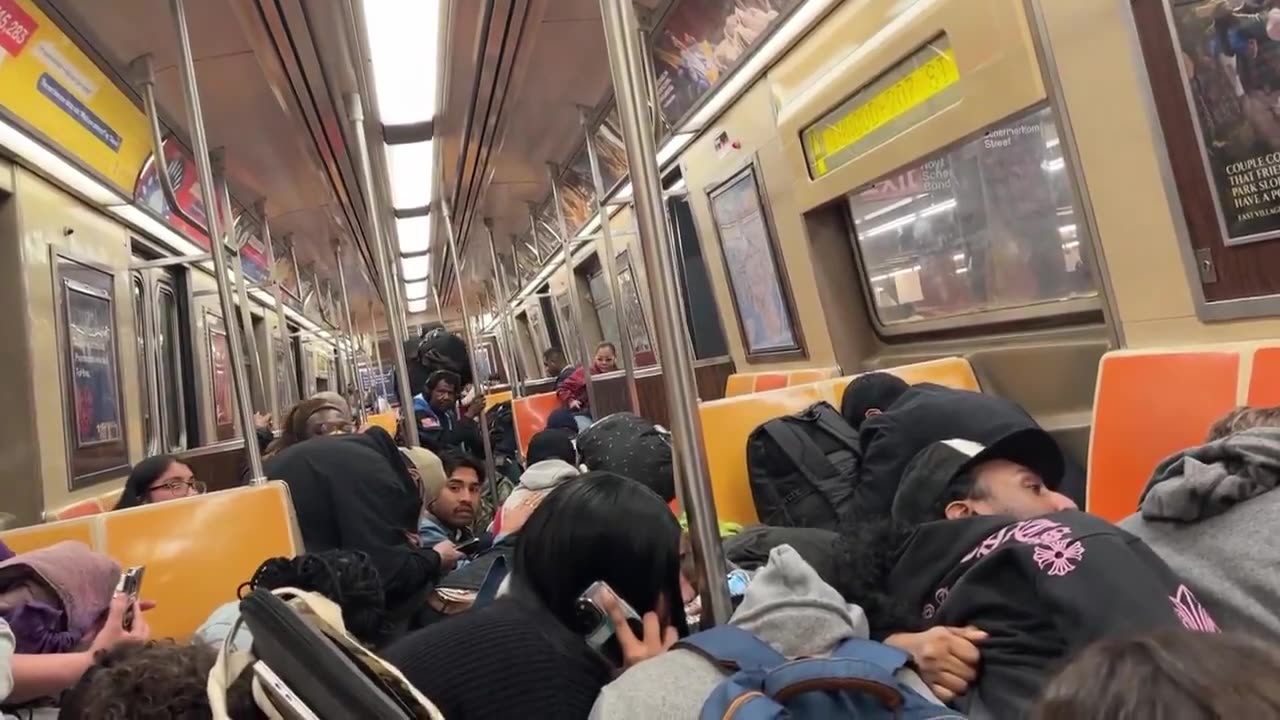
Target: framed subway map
[(754, 270)]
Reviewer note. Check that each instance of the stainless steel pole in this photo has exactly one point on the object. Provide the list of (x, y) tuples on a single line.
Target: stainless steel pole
[(257, 380), (282, 325), (195, 122), (355, 113), (377, 353), (477, 387), (575, 308), (501, 286), (351, 332), (626, 63), (533, 237), (611, 266)]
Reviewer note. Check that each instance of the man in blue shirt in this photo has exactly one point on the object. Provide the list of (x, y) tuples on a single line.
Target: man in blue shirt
[(436, 411)]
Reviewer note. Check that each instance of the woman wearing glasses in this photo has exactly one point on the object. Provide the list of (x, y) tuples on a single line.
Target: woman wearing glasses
[(157, 479)]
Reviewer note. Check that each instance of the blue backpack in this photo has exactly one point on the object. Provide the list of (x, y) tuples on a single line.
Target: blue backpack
[(856, 681)]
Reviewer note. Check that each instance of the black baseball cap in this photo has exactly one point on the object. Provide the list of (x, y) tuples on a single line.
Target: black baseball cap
[(935, 468)]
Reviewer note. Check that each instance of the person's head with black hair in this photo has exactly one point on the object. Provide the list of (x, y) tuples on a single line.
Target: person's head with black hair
[(441, 390), (152, 680), (606, 358), (870, 395), (156, 479), (346, 577), (552, 444), (553, 361), (1168, 675), (1018, 475), (455, 503), (310, 418), (602, 527)]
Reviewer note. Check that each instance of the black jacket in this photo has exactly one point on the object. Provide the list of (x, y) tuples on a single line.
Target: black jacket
[(511, 659), (926, 414), (354, 492), (1042, 589)]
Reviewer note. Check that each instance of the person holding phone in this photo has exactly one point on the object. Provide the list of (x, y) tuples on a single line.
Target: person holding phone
[(450, 484), (600, 528)]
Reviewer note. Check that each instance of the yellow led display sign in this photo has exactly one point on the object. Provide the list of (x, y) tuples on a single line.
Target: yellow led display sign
[(916, 88)]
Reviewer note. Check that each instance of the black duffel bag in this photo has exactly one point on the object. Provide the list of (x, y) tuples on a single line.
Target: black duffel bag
[(630, 446)]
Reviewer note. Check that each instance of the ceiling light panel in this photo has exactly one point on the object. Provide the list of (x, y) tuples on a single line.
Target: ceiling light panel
[(414, 234), (416, 306), (403, 38), (416, 268), (415, 290), (409, 174)]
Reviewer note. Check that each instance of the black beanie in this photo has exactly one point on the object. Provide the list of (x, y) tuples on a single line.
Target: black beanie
[(877, 390), (552, 445)]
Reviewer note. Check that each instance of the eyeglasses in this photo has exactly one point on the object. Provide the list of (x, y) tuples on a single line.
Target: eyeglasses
[(185, 487)]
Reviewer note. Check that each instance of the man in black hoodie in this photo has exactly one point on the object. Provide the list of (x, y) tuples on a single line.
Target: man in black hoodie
[(354, 492), (896, 421), (1040, 586)]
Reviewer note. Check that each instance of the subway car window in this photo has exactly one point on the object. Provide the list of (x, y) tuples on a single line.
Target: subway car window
[(990, 224), (603, 305), (168, 352), (149, 434), (699, 299)]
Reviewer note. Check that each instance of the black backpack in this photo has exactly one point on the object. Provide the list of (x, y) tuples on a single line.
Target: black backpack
[(443, 350), (633, 447), (803, 467)]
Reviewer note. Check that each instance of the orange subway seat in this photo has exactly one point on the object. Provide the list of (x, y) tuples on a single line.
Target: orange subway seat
[(1147, 407), (530, 414), (771, 381), (1264, 379)]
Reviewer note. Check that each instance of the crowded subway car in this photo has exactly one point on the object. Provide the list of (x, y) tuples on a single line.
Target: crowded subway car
[(639, 358)]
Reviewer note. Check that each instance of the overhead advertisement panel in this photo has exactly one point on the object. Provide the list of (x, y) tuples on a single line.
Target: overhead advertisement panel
[(910, 92), (701, 42), (49, 85)]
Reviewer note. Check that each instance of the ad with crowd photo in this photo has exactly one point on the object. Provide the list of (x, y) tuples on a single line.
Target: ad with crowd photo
[(93, 368), (701, 41), (1231, 64)]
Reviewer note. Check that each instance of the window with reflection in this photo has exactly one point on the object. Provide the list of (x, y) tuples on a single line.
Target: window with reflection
[(602, 303), (990, 224)]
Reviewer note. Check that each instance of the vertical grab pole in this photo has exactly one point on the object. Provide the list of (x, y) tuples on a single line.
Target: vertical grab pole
[(351, 331), (626, 64), (291, 362), (277, 294), (377, 353), (195, 121), (257, 380), (477, 388), (500, 285), (355, 113), (574, 307), (611, 267)]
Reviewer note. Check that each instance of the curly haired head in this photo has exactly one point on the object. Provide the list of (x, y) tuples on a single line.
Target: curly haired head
[(346, 577), (152, 681)]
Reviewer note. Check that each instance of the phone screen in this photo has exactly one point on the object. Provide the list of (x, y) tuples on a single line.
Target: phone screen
[(130, 585), (469, 546), (594, 623)]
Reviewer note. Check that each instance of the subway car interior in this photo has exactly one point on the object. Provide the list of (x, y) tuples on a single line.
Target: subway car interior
[(460, 226)]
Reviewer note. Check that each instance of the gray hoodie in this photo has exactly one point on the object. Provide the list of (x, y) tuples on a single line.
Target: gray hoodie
[(787, 606), (535, 484), (1210, 512)]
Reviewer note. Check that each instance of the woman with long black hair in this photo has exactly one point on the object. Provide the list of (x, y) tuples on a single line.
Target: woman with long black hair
[(525, 656), (157, 479)]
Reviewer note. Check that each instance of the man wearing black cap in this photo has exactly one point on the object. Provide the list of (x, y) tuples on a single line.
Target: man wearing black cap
[(1040, 580), (1017, 476)]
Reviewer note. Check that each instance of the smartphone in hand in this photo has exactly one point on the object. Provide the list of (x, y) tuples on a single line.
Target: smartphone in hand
[(594, 624), (130, 585), (468, 546)]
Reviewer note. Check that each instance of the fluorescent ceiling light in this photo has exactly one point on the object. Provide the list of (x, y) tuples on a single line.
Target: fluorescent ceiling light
[(799, 22), (42, 158), (144, 222), (409, 173), (416, 306), (414, 234), (415, 290), (416, 268), (403, 37), (592, 225)]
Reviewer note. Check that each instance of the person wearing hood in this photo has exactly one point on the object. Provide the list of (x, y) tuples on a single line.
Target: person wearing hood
[(895, 421), (355, 492), (979, 539), (552, 462), (1211, 513), (787, 605)]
